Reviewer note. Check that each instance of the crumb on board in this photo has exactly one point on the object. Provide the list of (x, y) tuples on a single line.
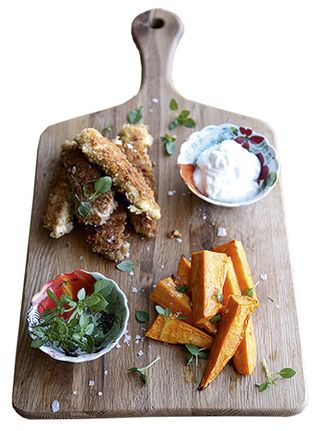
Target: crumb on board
[(174, 234), (179, 240)]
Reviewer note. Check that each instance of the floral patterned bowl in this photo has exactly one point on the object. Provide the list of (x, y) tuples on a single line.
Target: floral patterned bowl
[(245, 136), (70, 284)]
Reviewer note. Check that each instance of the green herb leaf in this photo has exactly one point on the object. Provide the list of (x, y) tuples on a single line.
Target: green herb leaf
[(189, 122), (173, 105), (194, 350), (103, 184), (135, 115), (81, 294), (287, 373), (182, 288), (84, 209), (37, 342), (163, 311), (271, 179), (52, 296), (219, 297), (234, 130), (195, 353), (92, 300), (107, 129), (126, 266), (141, 371), (174, 124), (249, 292), (170, 148), (84, 321), (104, 287), (216, 318), (142, 316), (263, 386), (183, 116), (87, 190)]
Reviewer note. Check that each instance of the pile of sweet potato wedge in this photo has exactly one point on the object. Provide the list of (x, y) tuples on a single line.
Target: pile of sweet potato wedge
[(209, 304)]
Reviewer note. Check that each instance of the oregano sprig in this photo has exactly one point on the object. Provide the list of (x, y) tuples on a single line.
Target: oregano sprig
[(271, 377), (135, 115), (167, 314), (169, 142), (182, 119), (195, 353), (100, 185), (141, 371)]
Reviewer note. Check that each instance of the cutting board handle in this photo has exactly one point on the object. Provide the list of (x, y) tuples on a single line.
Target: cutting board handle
[(156, 33)]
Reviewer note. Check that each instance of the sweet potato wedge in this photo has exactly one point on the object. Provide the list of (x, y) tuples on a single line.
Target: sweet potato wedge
[(231, 329), (208, 273), (173, 331), (245, 358), (235, 250), (166, 295), (231, 284), (184, 271)]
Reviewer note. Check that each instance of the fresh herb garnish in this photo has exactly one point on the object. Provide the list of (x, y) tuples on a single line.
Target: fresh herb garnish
[(182, 119), (141, 371), (195, 353), (74, 323), (166, 313), (101, 185), (285, 373), (249, 292), (216, 318), (142, 316), (182, 288), (173, 105), (169, 143), (126, 266), (219, 297), (135, 115), (107, 129)]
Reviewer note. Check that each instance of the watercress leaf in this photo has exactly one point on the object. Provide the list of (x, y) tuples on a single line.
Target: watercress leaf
[(173, 105), (287, 373), (173, 124), (81, 294), (65, 299), (194, 350), (189, 122), (37, 342), (84, 209), (167, 312), (84, 320), (170, 148), (76, 336), (104, 287), (89, 329), (159, 310), (101, 305), (52, 296), (38, 332), (126, 266), (142, 316), (92, 300), (142, 378), (182, 288), (103, 184)]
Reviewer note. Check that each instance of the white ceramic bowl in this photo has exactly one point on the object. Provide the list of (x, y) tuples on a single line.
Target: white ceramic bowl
[(212, 135), (118, 303)]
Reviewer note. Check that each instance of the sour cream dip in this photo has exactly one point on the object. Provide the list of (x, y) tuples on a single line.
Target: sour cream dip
[(227, 172)]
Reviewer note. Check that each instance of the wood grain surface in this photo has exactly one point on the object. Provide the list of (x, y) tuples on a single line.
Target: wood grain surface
[(39, 379)]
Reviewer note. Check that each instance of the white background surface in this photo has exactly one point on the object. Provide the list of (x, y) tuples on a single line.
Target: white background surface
[(62, 59)]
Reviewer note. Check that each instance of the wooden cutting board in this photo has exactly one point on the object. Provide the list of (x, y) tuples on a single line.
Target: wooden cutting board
[(39, 379)]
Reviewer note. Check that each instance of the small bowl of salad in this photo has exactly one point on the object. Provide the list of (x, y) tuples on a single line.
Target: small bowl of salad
[(78, 317)]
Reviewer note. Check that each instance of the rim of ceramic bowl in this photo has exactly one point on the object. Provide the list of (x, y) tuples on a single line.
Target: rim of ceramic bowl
[(186, 169), (83, 357)]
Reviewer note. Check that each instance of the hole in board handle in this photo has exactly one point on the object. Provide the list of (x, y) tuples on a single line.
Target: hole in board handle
[(157, 23)]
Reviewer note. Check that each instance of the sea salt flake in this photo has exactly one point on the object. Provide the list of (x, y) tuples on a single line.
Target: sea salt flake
[(74, 392), (134, 290), (73, 170), (204, 217), (91, 383), (155, 100), (154, 285), (179, 240), (105, 372), (171, 192), (127, 339), (137, 337), (221, 231), (81, 258), (100, 394), (131, 273), (162, 266), (264, 276), (140, 353), (55, 406), (118, 346)]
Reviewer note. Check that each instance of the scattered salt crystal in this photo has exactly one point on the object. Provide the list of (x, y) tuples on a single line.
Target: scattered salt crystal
[(162, 266), (100, 394), (149, 347), (134, 290), (137, 337), (155, 100), (221, 231), (140, 353), (131, 273), (278, 306), (91, 383), (81, 258), (130, 146), (179, 240), (143, 330), (171, 192), (150, 110), (154, 285), (264, 276), (204, 217), (55, 406), (105, 372), (142, 290), (73, 170), (148, 248), (118, 346), (74, 392), (127, 339)]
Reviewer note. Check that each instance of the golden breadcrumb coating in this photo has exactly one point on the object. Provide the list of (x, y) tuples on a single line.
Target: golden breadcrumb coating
[(58, 214), (134, 142), (126, 178), (109, 239), (82, 175)]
